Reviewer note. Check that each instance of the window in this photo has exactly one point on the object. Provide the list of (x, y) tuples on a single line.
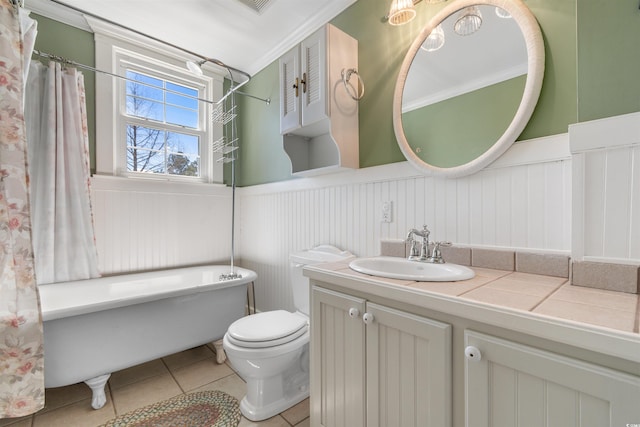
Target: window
[(153, 124), (162, 126)]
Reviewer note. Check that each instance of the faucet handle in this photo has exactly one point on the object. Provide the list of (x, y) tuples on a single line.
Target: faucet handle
[(436, 255), (413, 250), (444, 244)]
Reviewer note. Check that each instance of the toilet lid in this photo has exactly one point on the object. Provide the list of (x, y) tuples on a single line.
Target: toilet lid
[(267, 329)]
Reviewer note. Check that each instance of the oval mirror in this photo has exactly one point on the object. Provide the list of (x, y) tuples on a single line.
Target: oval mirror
[(468, 86)]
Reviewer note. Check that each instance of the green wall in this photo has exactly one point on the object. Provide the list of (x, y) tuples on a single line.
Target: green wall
[(443, 139), (591, 71), (381, 50), (76, 45), (608, 58), (261, 153)]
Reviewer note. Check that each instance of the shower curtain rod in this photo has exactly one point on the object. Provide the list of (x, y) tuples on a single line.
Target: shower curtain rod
[(229, 69), (64, 60), (215, 61)]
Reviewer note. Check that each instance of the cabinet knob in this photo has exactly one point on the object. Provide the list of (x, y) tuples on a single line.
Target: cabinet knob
[(367, 318), (472, 353), (354, 312)]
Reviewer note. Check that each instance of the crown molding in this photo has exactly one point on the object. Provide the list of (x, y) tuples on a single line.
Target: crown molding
[(58, 13), (307, 28)]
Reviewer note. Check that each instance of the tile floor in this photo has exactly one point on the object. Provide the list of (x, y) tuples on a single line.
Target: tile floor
[(191, 370)]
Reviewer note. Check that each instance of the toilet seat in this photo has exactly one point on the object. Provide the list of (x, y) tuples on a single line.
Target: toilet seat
[(267, 329)]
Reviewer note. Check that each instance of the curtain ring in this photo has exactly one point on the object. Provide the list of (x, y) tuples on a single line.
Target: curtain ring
[(355, 93)]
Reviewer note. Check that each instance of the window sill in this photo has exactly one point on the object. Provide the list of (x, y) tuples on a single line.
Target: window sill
[(155, 185)]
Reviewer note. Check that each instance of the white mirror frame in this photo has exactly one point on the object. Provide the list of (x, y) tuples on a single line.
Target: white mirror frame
[(535, 73)]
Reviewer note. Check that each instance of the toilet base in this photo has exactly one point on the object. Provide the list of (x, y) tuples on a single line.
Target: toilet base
[(253, 413), (267, 397)]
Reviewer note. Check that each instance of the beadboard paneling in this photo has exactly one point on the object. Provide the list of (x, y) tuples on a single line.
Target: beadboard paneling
[(523, 206), (606, 190), (155, 225)]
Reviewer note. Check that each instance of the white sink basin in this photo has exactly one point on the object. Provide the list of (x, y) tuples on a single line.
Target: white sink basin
[(401, 268)]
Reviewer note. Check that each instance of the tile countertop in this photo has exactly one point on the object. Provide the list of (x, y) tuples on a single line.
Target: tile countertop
[(545, 306)]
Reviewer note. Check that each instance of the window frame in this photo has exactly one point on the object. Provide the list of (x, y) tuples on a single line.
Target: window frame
[(117, 50), (126, 63)]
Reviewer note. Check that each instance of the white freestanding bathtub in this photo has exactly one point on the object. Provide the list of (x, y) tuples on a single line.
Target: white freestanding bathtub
[(98, 326)]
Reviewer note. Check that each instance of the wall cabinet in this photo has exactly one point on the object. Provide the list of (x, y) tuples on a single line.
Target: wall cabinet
[(376, 366), (318, 117), (509, 384)]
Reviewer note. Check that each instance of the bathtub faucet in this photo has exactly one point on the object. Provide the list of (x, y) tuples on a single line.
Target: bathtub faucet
[(423, 255)]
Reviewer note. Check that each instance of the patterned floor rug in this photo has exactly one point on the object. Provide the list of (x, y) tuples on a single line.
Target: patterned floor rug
[(199, 409)]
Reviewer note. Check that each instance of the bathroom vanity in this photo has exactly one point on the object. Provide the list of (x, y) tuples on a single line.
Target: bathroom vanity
[(387, 352)]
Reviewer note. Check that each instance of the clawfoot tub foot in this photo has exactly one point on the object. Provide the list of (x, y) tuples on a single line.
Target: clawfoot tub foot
[(221, 356), (97, 387)]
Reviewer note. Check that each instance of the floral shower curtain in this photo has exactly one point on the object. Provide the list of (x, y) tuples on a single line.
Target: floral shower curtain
[(21, 341), (63, 233)]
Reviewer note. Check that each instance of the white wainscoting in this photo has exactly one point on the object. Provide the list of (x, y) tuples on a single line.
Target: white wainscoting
[(147, 225), (606, 177), (529, 199), (521, 201)]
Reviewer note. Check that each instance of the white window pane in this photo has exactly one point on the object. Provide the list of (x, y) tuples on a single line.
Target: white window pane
[(144, 137), (149, 87), (141, 160), (178, 164), (145, 92), (181, 116), (180, 143), (144, 108), (182, 101), (187, 101)]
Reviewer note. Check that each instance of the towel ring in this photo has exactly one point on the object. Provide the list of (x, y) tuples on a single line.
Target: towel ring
[(353, 92)]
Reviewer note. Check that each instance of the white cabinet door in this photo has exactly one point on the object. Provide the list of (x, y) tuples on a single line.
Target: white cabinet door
[(337, 360), (408, 370), (403, 379), (290, 90), (314, 77), (509, 384), (303, 83)]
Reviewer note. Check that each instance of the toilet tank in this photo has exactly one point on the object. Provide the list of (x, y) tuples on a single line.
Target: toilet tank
[(317, 255)]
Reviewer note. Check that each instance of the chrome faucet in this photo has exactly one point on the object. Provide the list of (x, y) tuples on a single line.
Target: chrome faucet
[(423, 255), (433, 256)]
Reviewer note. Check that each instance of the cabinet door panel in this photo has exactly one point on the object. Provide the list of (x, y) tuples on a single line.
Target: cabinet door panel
[(314, 72), (408, 370), (289, 102), (530, 392), (516, 385), (337, 358)]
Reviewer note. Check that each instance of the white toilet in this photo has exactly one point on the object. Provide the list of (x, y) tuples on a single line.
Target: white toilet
[(270, 350)]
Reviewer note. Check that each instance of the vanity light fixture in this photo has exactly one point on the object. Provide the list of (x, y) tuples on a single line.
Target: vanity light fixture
[(502, 13), (434, 41), (403, 11), (469, 21)]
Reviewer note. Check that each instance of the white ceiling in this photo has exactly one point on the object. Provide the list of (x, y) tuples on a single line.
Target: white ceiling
[(222, 29)]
